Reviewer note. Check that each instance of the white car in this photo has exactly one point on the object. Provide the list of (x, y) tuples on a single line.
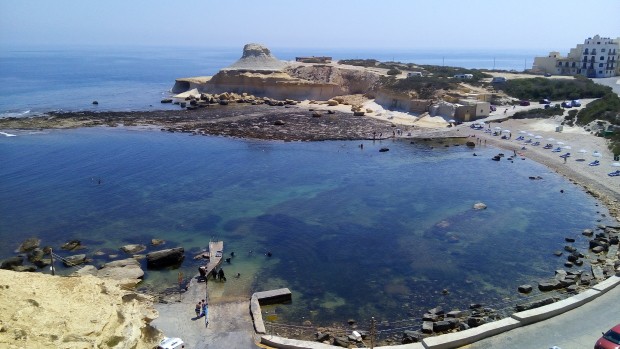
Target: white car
[(171, 343)]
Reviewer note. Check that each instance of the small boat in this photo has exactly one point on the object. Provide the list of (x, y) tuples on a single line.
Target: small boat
[(383, 150)]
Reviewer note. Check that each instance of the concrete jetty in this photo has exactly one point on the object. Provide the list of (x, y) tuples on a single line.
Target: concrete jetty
[(263, 298)]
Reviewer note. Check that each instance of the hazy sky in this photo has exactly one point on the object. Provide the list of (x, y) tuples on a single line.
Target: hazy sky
[(407, 24)]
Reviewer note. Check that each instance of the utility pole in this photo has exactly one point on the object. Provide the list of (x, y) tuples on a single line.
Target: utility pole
[(493, 63), (373, 332), (52, 258)]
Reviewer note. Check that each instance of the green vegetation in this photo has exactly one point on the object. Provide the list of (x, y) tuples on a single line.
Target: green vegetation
[(539, 113), (393, 71), (607, 109), (555, 89), (425, 87), (359, 62), (449, 72)]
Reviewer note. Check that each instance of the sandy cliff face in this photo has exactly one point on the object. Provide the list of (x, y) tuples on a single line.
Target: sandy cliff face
[(349, 81), (43, 311)]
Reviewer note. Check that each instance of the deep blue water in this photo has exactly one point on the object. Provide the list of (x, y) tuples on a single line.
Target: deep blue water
[(354, 233), (41, 79)]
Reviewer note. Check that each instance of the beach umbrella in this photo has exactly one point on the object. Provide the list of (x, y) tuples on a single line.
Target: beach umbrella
[(551, 139), (597, 154), (522, 132), (497, 128), (538, 137), (616, 164), (506, 131), (583, 151), (452, 120), (530, 134), (560, 143), (567, 147)]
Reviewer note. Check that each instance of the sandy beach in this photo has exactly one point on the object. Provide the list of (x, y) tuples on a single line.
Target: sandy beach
[(593, 179)]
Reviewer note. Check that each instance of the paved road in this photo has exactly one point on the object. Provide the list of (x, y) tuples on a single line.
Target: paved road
[(613, 82), (576, 329)]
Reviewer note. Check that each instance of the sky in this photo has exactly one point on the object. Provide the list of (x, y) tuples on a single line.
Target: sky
[(545, 25)]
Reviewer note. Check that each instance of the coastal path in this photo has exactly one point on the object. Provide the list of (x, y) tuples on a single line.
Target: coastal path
[(230, 325), (575, 329)]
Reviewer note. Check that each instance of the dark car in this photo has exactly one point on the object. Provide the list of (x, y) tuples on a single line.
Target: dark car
[(544, 101), (493, 108), (610, 339), (524, 103), (567, 105), (547, 74), (575, 103)]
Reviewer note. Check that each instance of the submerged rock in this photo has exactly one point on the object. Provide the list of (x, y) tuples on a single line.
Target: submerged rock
[(480, 206), (133, 248), (165, 258), (29, 244)]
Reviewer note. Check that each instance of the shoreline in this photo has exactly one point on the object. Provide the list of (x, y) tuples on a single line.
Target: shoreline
[(593, 181)]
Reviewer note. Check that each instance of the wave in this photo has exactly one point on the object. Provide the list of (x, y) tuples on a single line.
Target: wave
[(7, 134), (14, 114)]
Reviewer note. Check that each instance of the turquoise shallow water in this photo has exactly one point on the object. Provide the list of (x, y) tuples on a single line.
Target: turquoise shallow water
[(354, 233)]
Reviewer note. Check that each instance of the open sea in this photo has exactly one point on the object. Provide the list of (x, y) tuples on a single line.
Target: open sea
[(353, 232)]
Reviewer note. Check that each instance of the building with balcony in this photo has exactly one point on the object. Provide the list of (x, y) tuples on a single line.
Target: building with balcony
[(597, 57)]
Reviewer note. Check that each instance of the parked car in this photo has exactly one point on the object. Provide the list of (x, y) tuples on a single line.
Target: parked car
[(547, 74), (544, 101), (493, 108), (610, 339), (567, 104), (171, 343), (549, 106), (524, 103), (575, 103)]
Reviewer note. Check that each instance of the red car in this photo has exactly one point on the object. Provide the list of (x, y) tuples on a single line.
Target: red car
[(610, 339)]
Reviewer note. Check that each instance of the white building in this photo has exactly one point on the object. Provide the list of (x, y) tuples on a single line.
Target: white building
[(597, 57)]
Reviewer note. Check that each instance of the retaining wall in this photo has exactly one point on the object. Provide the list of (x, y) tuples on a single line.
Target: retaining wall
[(461, 338)]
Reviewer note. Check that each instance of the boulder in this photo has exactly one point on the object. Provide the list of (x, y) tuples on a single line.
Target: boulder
[(43, 262), (341, 342), (35, 255), (125, 269), (427, 327), (279, 123), (166, 100), (322, 336), (569, 248), (442, 326), (569, 239), (359, 113), (165, 258), (76, 259), (133, 248), (587, 232), (12, 262), (479, 206), (412, 337), (157, 242), (549, 285), (474, 321), (72, 245), (470, 144), (598, 249), (29, 244), (332, 103), (25, 268), (525, 288), (454, 314)]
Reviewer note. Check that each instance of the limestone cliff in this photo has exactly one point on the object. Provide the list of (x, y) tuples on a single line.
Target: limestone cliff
[(44, 311)]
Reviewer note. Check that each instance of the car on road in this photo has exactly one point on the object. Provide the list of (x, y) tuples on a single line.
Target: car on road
[(610, 339), (524, 103), (548, 106), (171, 343), (544, 101), (547, 74), (567, 104), (575, 103)]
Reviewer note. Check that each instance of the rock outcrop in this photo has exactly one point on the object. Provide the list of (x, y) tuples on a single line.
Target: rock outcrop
[(165, 258), (44, 311)]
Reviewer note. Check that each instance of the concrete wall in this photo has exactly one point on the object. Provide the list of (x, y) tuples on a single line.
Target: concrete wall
[(462, 338)]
